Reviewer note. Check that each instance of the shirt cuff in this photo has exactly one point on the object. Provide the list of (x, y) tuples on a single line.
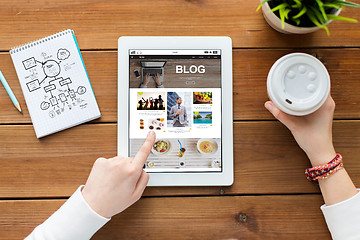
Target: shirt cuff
[(75, 219), (343, 218), (143, 86)]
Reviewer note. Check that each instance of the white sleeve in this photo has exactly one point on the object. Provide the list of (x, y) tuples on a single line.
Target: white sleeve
[(75, 219), (343, 218)]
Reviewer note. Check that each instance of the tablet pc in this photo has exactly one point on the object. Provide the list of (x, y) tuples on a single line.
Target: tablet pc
[(180, 88)]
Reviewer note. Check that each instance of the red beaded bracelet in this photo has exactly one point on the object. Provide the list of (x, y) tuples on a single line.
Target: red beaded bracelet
[(324, 171), (337, 168)]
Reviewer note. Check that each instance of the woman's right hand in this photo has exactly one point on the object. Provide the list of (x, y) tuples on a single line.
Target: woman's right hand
[(115, 184), (157, 79), (312, 132)]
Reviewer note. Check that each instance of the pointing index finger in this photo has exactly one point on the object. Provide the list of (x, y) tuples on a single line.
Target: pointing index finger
[(144, 151)]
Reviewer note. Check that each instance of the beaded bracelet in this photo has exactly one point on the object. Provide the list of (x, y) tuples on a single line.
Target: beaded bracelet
[(324, 171), (338, 167)]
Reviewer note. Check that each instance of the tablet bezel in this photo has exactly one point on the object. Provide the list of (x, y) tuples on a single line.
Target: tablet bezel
[(226, 176)]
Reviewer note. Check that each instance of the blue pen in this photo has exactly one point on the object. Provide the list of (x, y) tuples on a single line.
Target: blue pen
[(10, 92)]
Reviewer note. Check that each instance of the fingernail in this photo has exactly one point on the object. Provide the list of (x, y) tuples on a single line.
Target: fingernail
[(151, 134), (268, 106)]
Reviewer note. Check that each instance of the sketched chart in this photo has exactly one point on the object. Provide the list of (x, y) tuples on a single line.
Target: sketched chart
[(60, 93)]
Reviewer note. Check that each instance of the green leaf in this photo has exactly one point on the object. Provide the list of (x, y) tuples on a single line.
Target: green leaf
[(283, 12), (302, 12), (318, 15), (297, 21), (280, 6), (346, 4), (322, 10), (297, 4), (286, 13), (312, 17), (334, 17), (282, 17), (331, 5), (260, 5)]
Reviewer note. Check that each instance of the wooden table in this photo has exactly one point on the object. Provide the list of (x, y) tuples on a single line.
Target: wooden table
[(270, 198)]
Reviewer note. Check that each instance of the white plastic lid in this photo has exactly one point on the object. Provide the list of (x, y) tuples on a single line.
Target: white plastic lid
[(298, 84)]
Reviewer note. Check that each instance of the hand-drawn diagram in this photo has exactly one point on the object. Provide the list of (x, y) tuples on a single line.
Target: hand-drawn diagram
[(59, 92)]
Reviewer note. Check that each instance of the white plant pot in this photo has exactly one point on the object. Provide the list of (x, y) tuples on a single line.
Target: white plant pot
[(275, 22)]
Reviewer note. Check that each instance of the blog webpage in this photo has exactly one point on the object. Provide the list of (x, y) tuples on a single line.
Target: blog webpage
[(177, 94)]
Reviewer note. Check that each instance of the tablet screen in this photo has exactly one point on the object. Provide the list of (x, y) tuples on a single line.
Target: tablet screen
[(177, 94)]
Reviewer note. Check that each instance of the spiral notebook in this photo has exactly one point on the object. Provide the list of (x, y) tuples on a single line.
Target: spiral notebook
[(55, 83)]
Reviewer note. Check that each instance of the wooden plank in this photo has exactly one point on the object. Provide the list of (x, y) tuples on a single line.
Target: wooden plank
[(251, 68), (249, 83), (99, 24), (268, 217), (267, 160)]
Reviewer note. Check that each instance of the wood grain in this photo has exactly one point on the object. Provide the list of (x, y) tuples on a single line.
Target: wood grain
[(98, 24), (268, 217), (267, 160), (251, 68), (249, 83)]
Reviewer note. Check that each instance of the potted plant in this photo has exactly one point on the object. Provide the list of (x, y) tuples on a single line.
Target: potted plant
[(303, 16)]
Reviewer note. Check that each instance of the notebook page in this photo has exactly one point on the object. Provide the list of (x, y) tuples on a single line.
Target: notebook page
[(55, 83)]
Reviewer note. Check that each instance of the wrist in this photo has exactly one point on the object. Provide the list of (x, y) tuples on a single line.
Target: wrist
[(322, 157), (325, 170), (92, 202)]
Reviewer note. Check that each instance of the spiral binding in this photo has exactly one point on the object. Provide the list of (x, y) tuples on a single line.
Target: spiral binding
[(39, 41)]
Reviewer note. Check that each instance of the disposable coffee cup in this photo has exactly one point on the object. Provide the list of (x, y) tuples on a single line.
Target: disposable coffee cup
[(298, 84)]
